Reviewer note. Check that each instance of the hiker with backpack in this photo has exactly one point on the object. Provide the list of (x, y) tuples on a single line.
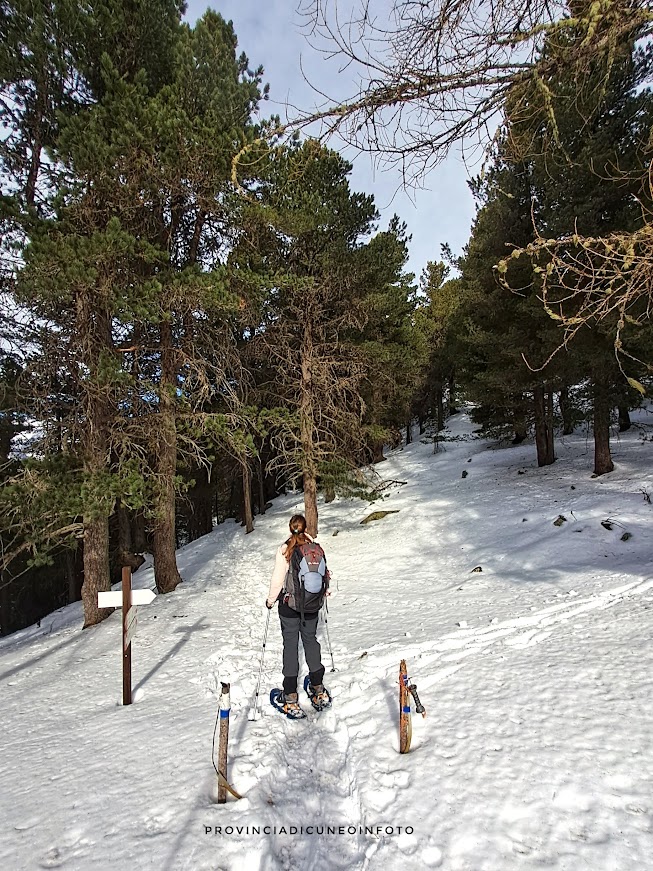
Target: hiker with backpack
[(300, 581)]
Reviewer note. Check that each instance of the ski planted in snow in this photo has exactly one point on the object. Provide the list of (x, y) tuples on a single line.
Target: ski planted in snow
[(406, 690), (405, 727)]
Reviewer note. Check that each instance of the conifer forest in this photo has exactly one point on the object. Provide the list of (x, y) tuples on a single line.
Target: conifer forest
[(199, 311)]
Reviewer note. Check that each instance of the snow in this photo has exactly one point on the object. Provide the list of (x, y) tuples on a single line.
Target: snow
[(535, 672)]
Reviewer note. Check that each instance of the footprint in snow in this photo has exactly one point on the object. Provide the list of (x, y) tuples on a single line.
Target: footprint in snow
[(636, 808), (73, 847), (381, 799), (399, 779), (156, 823), (54, 858)]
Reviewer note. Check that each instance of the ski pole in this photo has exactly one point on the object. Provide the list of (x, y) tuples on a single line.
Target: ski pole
[(252, 711), (419, 707), (326, 626)]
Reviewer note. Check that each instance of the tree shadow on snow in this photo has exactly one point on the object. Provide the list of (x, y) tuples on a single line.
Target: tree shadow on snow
[(187, 633)]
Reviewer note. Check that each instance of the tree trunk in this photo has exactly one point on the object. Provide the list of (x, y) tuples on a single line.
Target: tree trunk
[(550, 432), (307, 427), (520, 424), (624, 418), (6, 621), (566, 410), (540, 424), (310, 501), (329, 493), (452, 395), (196, 237), (201, 520), (126, 554), (375, 446), (36, 145), (166, 573), (199, 514), (247, 498), (439, 406), (124, 535), (96, 568), (602, 407), (409, 431), (235, 507), (543, 430), (94, 331), (261, 487), (138, 532), (71, 575)]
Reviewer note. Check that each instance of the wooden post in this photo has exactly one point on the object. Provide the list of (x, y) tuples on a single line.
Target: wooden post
[(126, 643), (225, 706)]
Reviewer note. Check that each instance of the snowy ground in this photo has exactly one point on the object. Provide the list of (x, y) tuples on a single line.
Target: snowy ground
[(536, 674)]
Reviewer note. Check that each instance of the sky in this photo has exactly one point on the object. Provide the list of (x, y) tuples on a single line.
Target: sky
[(270, 33)]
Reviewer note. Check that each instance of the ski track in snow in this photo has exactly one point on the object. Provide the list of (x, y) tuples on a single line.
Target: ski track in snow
[(535, 751)]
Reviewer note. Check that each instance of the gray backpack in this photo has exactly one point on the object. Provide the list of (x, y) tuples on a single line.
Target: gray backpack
[(307, 579)]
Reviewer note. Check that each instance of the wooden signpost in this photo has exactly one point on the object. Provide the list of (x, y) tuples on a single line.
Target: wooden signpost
[(127, 599), (130, 626)]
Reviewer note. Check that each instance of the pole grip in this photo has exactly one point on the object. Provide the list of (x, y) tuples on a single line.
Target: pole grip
[(419, 707)]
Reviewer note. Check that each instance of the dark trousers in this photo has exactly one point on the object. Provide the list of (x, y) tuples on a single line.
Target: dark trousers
[(291, 629)]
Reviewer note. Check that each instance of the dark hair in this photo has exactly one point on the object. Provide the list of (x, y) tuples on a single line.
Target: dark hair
[(298, 529)]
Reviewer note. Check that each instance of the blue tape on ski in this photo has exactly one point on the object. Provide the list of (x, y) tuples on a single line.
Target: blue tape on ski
[(225, 713), (405, 710)]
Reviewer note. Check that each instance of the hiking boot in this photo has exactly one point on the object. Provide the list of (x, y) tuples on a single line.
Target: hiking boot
[(290, 706), (320, 698)]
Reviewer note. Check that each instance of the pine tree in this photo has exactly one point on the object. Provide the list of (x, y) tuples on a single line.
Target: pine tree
[(305, 240), (506, 335), (586, 175), (391, 357), (125, 264), (437, 327)]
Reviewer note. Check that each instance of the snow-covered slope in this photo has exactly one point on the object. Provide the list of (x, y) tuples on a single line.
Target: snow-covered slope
[(535, 672)]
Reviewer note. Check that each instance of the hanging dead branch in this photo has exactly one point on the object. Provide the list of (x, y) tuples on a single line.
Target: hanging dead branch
[(433, 74), (591, 280)]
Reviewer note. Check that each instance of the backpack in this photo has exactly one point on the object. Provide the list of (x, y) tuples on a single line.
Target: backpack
[(307, 579)]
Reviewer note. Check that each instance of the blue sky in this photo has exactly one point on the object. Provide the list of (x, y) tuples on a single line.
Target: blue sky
[(270, 33)]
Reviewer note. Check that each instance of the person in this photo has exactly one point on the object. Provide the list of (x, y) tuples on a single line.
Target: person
[(295, 623)]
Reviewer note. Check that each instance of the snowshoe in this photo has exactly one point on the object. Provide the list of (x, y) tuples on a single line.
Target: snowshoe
[(286, 704), (319, 696)]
